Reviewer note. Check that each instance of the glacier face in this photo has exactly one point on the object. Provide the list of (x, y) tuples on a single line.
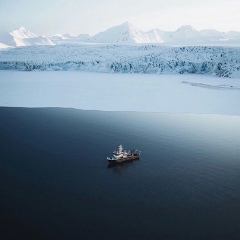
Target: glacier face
[(151, 59)]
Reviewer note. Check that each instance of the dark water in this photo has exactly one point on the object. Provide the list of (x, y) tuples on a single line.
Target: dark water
[(56, 183)]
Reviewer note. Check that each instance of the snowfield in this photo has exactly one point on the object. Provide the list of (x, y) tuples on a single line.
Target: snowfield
[(121, 92), (157, 59)]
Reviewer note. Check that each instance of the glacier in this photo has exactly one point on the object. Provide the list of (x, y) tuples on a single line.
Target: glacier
[(112, 58)]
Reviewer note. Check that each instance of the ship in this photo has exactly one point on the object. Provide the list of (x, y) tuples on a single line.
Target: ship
[(122, 155)]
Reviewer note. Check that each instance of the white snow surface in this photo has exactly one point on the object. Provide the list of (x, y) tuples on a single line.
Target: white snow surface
[(150, 59), (120, 92)]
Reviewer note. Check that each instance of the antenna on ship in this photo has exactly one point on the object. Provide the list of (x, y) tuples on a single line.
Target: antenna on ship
[(120, 148)]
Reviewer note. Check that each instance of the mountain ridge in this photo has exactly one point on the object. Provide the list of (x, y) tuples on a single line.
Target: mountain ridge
[(125, 33)]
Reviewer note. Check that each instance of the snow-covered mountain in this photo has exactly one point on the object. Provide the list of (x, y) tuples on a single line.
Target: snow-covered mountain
[(61, 36), (213, 34), (2, 45), (185, 35), (83, 37), (10, 41), (233, 35), (69, 39), (22, 37), (22, 32), (125, 33)]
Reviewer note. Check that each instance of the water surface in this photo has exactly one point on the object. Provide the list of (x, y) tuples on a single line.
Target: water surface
[(56, 182)]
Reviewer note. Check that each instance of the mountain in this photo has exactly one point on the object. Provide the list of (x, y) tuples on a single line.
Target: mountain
[(7, 39), (22, 37), (155, 36), (83, 37), (185, 35), (22, 32), (67, 36), (69, 39), (212, 34), (62, 36), (233, 35), (2, 45), (124, 33), (159, 36)]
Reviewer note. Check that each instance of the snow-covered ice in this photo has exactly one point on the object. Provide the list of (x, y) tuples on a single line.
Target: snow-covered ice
[(119, 92)]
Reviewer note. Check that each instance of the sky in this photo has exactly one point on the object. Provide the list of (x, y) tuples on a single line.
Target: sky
[(46, 17)]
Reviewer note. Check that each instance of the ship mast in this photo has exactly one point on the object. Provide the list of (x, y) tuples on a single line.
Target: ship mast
[(120, 149)]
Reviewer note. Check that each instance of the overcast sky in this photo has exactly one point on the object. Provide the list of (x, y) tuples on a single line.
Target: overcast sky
[(92, 16)]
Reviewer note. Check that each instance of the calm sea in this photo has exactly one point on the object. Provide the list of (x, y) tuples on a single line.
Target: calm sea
[(55, 181)]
